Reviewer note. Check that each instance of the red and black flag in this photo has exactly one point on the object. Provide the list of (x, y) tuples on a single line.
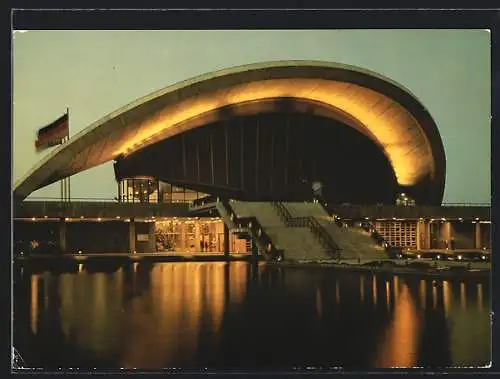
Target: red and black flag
[(53, 134)]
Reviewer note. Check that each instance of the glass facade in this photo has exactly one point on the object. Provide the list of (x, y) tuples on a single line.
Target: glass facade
[(398, 233), (196, 235), (150, 190)]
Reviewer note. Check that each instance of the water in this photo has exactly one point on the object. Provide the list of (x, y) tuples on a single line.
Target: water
[(238, 316)]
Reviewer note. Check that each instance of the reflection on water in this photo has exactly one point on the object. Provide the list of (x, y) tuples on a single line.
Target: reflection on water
[(236, 315)]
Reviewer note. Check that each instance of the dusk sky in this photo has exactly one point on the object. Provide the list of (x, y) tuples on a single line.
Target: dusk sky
[(95, 72)]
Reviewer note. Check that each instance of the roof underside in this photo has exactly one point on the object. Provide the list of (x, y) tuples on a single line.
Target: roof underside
[(376, 106)]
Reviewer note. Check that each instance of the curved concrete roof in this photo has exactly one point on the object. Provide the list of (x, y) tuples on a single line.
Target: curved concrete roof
[(375, 105)]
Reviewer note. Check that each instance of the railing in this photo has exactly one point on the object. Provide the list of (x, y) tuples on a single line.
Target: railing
[(101, 200), (316, 228), (256, 230), (98, 209), (205, 200), (466, 204)]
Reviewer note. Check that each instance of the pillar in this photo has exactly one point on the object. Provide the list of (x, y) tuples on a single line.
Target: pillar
[(197, 236), (151, 237), (226, 241), (478, 239), (427, 235), (62, 235), (446, 233), (131, 235), (419, 237)]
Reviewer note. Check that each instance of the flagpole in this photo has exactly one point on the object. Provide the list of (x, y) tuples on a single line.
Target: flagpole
[(69, 177)]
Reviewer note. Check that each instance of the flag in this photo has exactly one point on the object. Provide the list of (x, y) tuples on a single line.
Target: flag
[(53, 134)]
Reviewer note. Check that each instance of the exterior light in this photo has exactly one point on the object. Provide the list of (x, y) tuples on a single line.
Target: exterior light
[(33, 218), (459, 257), (418, 256), (153, 217), (99, 219), (22, 253), (79, 251), (483, 257), (118, 217), (443, 219), (81, 216), (438, 257), (44, 216), (477, 218), (66, 219), (403, 194), (461, 219)]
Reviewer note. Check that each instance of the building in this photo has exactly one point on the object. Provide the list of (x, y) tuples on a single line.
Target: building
[(265, 132)]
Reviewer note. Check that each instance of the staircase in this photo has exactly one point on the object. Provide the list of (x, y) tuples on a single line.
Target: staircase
[(296, 241), (353, 242)]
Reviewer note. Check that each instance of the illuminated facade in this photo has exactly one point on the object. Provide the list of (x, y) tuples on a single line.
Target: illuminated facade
[(392, 130), (149, 190), (204, 235)]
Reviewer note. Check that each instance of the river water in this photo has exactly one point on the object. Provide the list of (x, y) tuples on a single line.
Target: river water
[(239, 316)]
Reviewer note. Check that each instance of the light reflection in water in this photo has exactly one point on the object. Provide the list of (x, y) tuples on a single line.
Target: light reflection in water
[(434, 295), (388, 295), (237, 279), (399, 348), (463, 299), (480, 296), (153, 316), (423, 293), (34, 303), (337, 292), (446, 297), (362, 288), (318, 302)]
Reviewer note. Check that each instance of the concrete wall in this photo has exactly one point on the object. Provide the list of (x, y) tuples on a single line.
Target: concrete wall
[(87, 236)]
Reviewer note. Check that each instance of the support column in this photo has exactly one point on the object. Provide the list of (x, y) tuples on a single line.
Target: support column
[(226, 143), (211, 148), (197, 236), (131, 235), (257, 143), (151, 237), (446, 233), (226, 241), (419, 236), (62, 235), (427, 235), (478, 240)]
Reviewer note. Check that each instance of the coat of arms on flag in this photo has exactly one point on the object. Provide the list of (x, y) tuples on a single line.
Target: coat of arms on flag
[(53, 134)]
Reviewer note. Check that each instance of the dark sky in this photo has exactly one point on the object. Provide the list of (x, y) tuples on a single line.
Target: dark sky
[(95, 72)]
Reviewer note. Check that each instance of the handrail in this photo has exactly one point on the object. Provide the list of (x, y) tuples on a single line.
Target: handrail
[(255, 227), (205, 200), (313, 224)]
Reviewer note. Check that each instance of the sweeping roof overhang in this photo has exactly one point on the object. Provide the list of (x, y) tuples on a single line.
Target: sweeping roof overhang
[(376, 106)]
